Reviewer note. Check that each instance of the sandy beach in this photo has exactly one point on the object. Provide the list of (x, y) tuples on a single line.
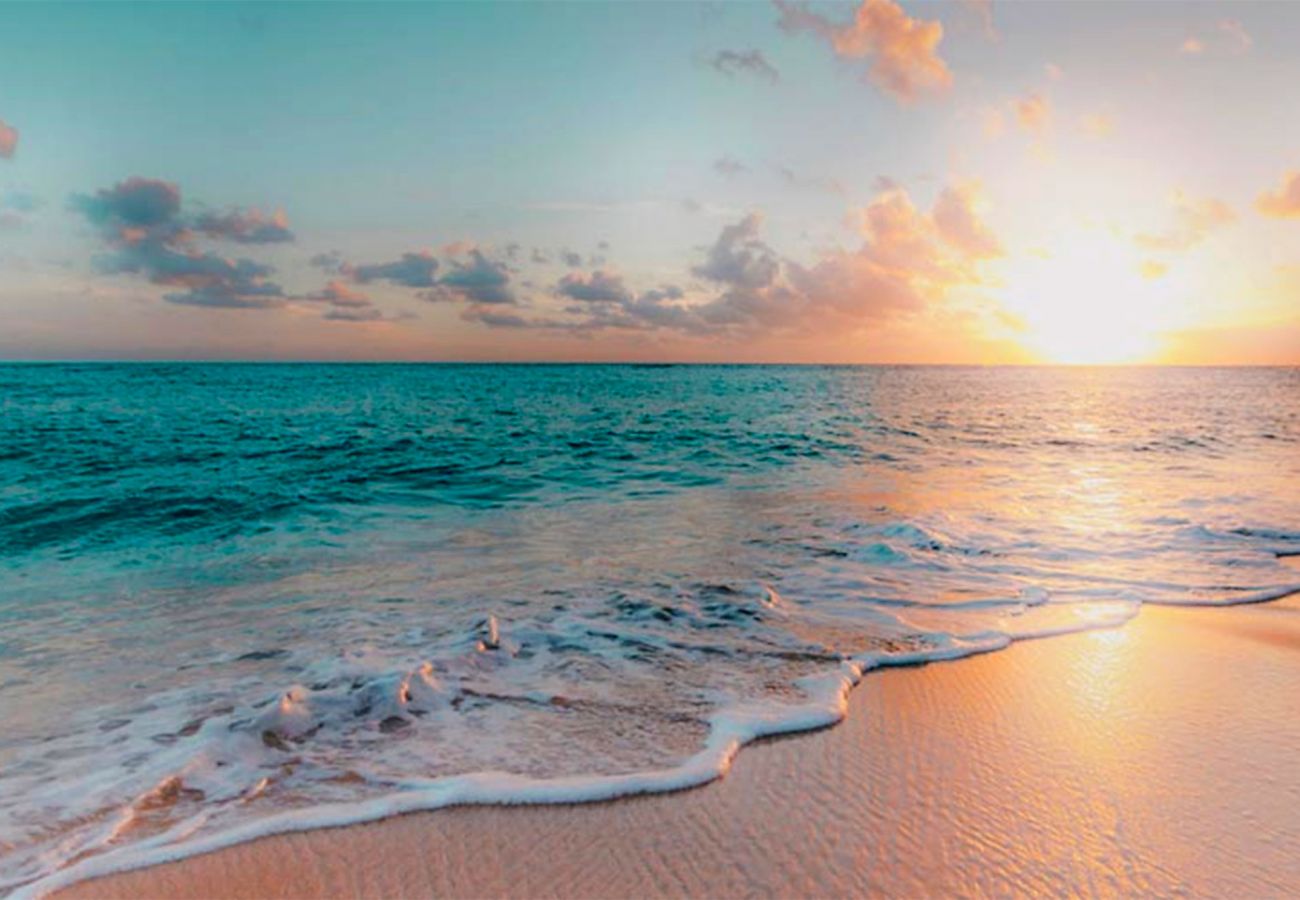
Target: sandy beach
[(1156, 758)]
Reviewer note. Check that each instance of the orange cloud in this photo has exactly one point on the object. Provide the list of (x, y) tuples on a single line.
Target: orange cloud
[(1193, 221), (1034, 113), (905, 62), (1284, 203), (8, 140)]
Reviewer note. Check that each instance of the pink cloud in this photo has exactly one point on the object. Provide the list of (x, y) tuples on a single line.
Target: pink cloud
[(958, 223), (8, 140), (905, 61)]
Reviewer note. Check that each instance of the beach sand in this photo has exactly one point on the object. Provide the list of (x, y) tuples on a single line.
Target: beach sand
[(1156, 758)]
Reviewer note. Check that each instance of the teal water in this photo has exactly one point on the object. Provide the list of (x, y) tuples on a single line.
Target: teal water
[(230, 591)]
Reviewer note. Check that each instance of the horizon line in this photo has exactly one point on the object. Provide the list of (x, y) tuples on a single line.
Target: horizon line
[(632, 362)]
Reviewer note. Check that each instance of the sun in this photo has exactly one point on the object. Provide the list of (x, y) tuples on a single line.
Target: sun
[(1089, 300)]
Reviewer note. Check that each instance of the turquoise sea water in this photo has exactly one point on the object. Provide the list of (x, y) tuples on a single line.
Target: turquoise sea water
[(238, 598)]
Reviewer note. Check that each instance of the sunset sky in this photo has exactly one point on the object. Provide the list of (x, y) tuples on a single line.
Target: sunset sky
[(950, 183)]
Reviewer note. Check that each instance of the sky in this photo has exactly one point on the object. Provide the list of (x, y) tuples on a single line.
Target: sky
[(966, 182)]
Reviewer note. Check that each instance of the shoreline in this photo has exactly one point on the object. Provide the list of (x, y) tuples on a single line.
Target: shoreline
[(805, 776)]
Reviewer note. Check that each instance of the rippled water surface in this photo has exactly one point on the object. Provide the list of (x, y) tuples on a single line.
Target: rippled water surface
[(233, 596)]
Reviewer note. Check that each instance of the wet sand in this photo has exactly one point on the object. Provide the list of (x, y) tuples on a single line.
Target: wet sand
[(1156, 758)]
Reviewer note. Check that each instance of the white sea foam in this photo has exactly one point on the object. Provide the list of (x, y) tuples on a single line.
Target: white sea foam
[(731, 728)]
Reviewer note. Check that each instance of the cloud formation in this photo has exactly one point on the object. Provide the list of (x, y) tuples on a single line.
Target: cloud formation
[(903, 51), (8, 140), (414, 270), (907, 260), (141, 221), (598, 287), (245, 226), (338, 294), (1194, 220), (958, 223), (1284, 203), (477, 280), (732, 62)]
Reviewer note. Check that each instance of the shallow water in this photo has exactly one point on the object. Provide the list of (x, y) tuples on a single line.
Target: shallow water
[(237, 598)]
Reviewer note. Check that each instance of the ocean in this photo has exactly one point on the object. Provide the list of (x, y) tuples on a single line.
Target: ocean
[(237, 599)]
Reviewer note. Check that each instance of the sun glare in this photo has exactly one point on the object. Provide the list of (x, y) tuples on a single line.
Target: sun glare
[(1089, 300)]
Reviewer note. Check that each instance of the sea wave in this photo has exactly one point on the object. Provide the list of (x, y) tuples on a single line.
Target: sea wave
[(241, 600)]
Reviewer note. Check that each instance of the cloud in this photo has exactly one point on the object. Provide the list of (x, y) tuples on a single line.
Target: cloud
[(739, 258), (134, 207), (728, 166), (241, 287), (414, 270), (907, 261), (458, 248), (338, 294), (245, 226), (731, 62), (344, 303), (8, 140), (479, 280), (331, 261), (959, 225), (368, 314), (486, 315), (598, 287), (1194, 220), (141, 221), (1033, 113), (1284, 203), (905, 63)]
